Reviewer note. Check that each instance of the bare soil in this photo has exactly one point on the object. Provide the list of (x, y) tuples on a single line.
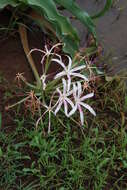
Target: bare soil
[(13, 61)]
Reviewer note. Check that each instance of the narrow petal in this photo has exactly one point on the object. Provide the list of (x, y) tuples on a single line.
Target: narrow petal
[(72, 111), (81, 114), (70, 93), (58, 107), (74, 90), (61, 74), (56, 45), (49, 125), (70, 63), (79, 75), (70, 102), (79, 89), (58, 90), (47, 51), (43, 58), (60, 63), (35, 49), (88, 108), (87, 96), (65, 108), (60, 58), (78, 68), (64, 86), (68, 84)]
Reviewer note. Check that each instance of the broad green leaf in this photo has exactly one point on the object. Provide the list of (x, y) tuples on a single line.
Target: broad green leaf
[(80, 14), (105, 9), (4, 3), (64, 30)]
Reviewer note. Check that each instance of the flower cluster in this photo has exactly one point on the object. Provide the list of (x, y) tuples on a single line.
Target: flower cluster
[(72, 97), (69, 93), (66, 91)]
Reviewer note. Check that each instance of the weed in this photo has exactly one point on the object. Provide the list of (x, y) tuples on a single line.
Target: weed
[(93, 158)]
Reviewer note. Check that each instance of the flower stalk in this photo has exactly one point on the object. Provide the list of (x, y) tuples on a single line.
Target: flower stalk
[(24, 40), (65, 92)]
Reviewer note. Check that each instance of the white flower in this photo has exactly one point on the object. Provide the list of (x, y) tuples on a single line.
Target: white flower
[(69, 71), (63, 98), (79, 101), (49, 109), (46, 52)]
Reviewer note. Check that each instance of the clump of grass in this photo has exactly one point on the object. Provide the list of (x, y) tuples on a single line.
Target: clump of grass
[(69, 158)]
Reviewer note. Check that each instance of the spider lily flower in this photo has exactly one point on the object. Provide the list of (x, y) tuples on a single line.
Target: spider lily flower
[(49, 110), (69, 71), (63, 98), (79, 101), (47, 52)]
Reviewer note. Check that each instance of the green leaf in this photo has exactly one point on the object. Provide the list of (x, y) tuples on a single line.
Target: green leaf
[(1, 152), (80, 14), (4, 3), (105, 9), (64, 30), (102, 164), (125, 104)]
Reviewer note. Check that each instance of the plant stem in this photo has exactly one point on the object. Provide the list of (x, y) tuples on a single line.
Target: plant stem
[(17, 103), (24, 40)]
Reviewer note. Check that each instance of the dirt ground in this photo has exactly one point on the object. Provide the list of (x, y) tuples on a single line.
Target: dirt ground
[(13, 61), (12, 56)]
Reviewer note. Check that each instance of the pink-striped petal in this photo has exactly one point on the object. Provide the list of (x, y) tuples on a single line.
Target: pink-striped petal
[(88, 108), (73, 110), (35, 49), (70, 63), (60, 63), (47, 51), (56, 45), (61, 74), (68, 84), (65, 108), (58, 107), (87, 96), (79, 75), (81, 114), (58, 90), (64, 86), (79, 89), (49, 125), (43, 58), (70, 102), (74, 90), (78, 68)]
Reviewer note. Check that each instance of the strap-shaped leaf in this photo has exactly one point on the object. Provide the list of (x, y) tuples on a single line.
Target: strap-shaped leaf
[(80, 14), (105, 9), (4, 3), (61, 24)]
